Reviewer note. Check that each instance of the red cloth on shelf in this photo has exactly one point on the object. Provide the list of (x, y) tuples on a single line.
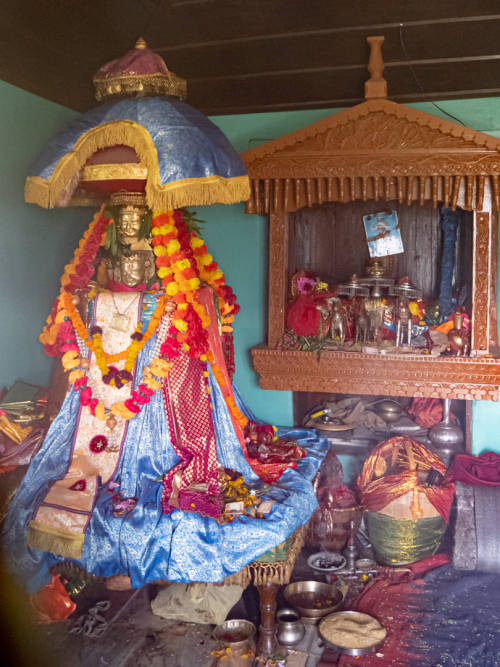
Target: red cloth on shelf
[(303, 317), (427, 411), (481, 470)]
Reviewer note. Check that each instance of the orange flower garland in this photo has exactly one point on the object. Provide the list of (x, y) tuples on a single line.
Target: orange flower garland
[(210, 272), (230, 402), (182, 259), (94, 341), (76, 275)]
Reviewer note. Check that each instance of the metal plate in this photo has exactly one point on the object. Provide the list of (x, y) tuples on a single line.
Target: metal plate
[(350, 651)]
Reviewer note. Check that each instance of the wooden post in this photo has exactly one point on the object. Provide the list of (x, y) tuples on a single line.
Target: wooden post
[(278, 276), (482, 267), (267, 643)]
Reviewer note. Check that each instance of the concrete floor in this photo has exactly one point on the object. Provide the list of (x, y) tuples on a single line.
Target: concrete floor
[(134, 637)]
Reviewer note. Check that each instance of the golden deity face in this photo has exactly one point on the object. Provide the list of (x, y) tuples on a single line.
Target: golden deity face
[(129, 224), (135, 269)]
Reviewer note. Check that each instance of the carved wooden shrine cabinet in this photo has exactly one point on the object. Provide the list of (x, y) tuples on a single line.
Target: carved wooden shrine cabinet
[(320, 180)]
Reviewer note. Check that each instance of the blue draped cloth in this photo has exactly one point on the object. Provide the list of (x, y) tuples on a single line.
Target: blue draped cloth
[(449, 224), (188, 144), (148, 544)]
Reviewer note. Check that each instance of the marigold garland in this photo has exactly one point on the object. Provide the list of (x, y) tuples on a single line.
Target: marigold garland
[(93, 341), (183, 260), (76, 276)]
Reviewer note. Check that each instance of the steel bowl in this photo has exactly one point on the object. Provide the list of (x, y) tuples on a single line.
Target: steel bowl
[(365, 564), (235, 633), (311, 598), (318, 561), (350, 651)]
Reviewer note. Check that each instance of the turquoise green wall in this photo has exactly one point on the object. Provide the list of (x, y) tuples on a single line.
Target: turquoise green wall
[(37, 243), (34, 243)]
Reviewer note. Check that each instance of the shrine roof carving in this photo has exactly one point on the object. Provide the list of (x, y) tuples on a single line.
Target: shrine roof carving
[(376, 149), (377, 127)]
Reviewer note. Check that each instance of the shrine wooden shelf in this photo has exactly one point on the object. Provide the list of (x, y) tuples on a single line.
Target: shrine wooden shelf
[(378, 155), (392, 374)]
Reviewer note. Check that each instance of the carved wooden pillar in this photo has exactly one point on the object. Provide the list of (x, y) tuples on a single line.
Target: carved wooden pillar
[(483, 265), (493, 280), (267, 643), (278, 276)]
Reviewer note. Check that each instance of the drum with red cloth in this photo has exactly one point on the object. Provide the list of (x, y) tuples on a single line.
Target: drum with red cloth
[(407, 500)]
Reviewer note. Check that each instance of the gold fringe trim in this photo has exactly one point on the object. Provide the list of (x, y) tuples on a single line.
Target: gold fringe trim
[(68, 545), (36, 191), (242, 578), (127, 84), (263, 573), (188, 192), (280, 571)]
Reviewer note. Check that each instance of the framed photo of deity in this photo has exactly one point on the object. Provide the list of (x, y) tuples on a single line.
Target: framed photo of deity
[(383, 234)]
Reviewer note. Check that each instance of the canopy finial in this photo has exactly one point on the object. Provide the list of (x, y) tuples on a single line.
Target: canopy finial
[(376, 86), (141, 43)]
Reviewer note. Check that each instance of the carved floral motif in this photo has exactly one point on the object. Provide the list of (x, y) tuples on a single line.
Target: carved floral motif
[(337, 372)]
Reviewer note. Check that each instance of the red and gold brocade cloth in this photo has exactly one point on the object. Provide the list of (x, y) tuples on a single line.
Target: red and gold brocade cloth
[(192, 485), (269, 455), (63, 515), (272, 468)]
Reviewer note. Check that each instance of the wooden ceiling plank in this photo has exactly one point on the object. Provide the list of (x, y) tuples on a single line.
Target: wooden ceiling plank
[(331, 31)]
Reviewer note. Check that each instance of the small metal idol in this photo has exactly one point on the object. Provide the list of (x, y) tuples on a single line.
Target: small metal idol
[(404, 291), (338, 323)]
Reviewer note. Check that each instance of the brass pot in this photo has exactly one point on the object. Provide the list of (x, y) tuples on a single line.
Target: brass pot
[(390, 411)]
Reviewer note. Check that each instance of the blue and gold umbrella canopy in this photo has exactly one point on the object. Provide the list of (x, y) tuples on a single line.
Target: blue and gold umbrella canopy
[(180, 156)]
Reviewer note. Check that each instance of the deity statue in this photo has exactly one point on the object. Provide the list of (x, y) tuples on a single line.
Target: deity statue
[(375, 307), (148, 417), (129, 223), (132, 269), (403, 322), (338, 321), (127, 483)]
